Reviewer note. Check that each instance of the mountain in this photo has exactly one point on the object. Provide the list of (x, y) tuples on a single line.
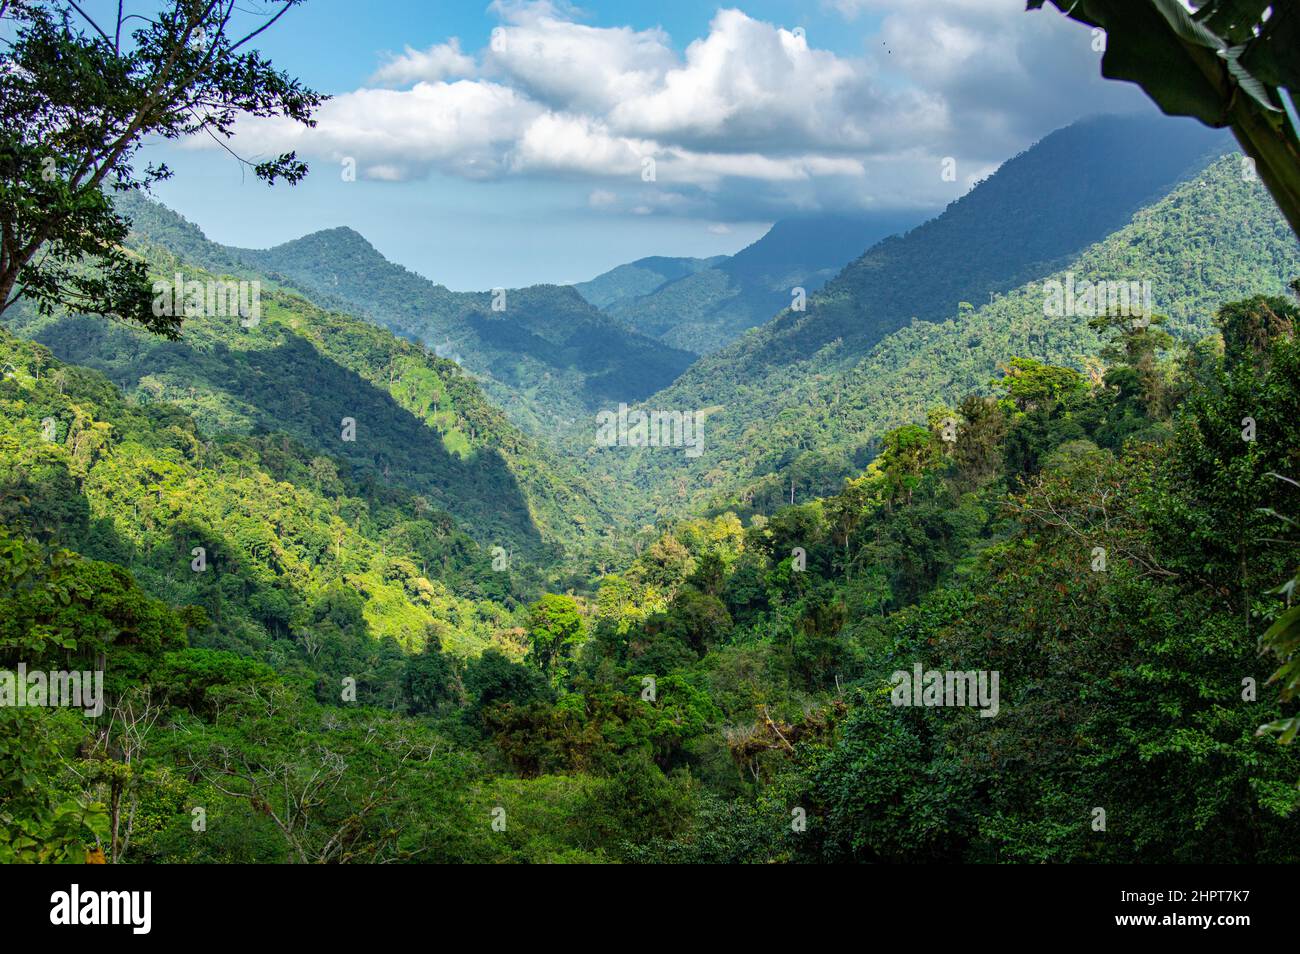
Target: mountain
[(702, 304), (287, 532), (307, 644), (1033, 215), (267, 626), (543, 354), (636, 279), (420, 422), (807, 396)]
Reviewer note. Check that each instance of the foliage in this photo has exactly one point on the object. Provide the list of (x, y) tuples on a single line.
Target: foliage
[(1226, 62), (77, 102), (422, 423)]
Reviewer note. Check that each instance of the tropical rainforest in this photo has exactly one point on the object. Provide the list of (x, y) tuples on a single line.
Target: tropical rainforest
[(363, 588)]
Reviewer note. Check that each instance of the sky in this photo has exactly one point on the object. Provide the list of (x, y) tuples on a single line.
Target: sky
[(530, 141)]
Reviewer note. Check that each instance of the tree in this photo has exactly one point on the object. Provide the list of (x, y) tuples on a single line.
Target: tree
[(429, 679), (346, 793), (1282, 639), (697, 619), (1133, 353), (907, 452), (493, 680), (1227, 63), (78, 99), (978, 451), (1250, 327), (1030, 384), (554, 629)]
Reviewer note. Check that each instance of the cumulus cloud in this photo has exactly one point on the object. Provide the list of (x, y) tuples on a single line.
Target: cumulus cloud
[(439, 62), (750, 85), (575, 67), (467, 128), (749, 116), (562, 142), (1005, 76)]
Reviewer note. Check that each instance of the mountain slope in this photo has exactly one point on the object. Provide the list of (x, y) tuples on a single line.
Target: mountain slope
[(543, 353), (703, 309), (295, 545), (806, 397), (1033, 215), (637, 279), (420, 421)]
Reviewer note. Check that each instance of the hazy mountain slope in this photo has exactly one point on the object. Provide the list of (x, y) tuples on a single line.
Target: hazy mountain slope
[(1034, 214), (421, 422), (705, 309), (547, 357), (782, 405), (639, 278)]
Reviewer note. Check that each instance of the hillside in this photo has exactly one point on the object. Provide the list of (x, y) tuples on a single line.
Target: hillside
[(971, 539), (289, 535), (635, 279), (546, 356), (421, 422), (807, 396), (702, 309), (339, 642)]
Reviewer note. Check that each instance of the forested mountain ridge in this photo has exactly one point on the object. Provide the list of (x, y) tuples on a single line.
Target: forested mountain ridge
[(420, 421), (294, 541), (681, 703), (707, 308), (774, 416), (989, 555), (1036, 213), (635, 279), (543, 354)]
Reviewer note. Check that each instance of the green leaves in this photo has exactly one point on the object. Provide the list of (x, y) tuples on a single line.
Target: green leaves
[(41, 821), (75, 108), (1225, 64), (555, 630), (1282, 639)]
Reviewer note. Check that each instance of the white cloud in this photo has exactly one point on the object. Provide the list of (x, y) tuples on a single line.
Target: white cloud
[(466, 128), (708, 168), (576, 67), (559, 142), (750, 85), (439, 62), (1006, 75), (749, 115)]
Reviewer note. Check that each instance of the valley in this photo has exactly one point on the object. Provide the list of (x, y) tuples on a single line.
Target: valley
[(912, 531)]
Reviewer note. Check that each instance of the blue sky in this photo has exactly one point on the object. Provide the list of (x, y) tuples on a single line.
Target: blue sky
[(501, 159)]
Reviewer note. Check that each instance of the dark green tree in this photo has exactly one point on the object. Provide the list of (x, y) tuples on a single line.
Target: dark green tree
[(77, 101)]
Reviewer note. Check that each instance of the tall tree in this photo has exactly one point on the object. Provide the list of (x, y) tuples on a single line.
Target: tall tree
[(554, 629), (77, 100)]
